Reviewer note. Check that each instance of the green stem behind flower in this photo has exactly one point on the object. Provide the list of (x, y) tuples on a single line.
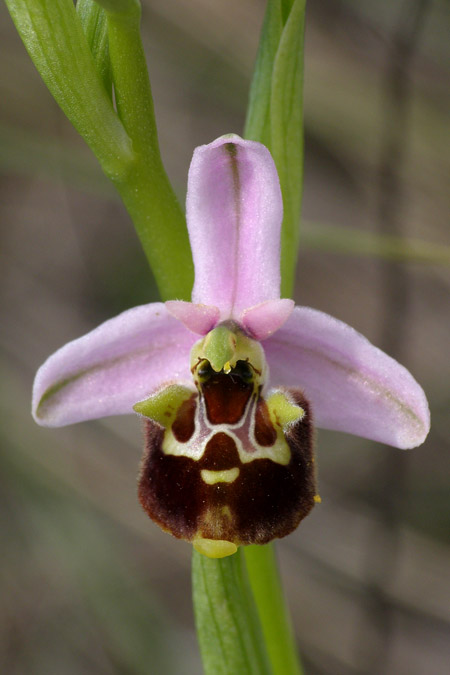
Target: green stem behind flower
[(228, 628)]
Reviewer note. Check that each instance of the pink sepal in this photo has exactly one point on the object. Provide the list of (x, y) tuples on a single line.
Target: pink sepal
[(352, 385), (105, 372), (197, 317), (264, 319), (234, 210)]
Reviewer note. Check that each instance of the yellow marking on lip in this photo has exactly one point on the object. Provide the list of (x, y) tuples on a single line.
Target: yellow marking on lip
[(225, 476), (318, 499), (214, 548)]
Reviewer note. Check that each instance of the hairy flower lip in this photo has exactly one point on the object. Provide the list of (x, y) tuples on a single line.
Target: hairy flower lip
[(234, 214)]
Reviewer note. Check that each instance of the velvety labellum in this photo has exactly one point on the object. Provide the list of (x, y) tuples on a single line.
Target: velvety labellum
[(227, 469)]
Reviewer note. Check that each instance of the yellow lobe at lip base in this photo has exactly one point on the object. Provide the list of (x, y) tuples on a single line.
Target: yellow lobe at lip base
[(282, 411), (163, 406), (214, 548)]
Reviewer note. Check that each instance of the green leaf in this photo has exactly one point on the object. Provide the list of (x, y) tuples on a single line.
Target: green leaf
[(228, 628), (257, 124), (52, 33), (93, 22), (275, 115), (286, 118), (277, 629)]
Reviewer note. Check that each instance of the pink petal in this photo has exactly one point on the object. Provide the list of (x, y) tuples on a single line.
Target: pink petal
[(264, 319), (234, 212), (352, 385), (108, 370), (198, 318)]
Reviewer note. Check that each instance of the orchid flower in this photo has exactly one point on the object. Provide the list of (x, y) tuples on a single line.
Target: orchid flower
[(231, 384)]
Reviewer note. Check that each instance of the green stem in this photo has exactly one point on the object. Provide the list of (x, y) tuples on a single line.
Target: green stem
[(146, 190), (268, 593), (228, 628)]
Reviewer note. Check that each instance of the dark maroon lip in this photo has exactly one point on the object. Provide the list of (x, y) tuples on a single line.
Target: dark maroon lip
[(266, 500), (221, 454)]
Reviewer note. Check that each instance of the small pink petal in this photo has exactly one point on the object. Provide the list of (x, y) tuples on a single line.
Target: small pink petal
[(264, 319), (105, 372), (198, 318), (234, 213), (352, 385)]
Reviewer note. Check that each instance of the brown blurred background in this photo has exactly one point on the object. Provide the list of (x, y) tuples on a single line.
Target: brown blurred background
[(87, 583)]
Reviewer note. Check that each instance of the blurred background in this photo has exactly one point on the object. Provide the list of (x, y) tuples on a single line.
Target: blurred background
[(88, 583)]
